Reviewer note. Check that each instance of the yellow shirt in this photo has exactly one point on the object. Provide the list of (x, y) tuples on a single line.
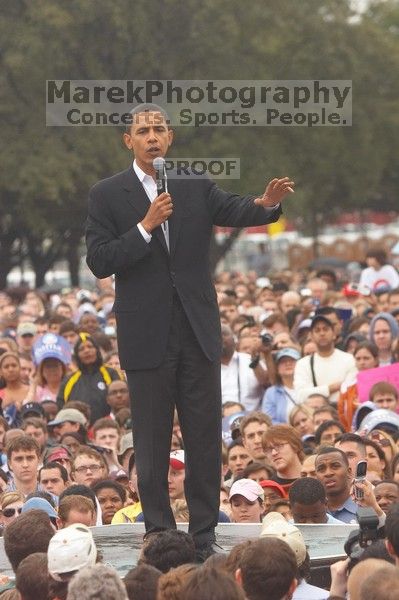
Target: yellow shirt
[(127, 514)]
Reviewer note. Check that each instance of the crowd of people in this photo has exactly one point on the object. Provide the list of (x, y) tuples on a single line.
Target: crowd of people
[(309, 376)]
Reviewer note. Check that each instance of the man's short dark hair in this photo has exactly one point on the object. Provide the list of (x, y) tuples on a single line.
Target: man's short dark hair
[(146, 107), (253, 467), (330, 450), (43, 494), (209, 583), (327, 310), (79, 490), (326, 408), (324, 426), (32, 577), (307, 491), (237, 442), (36, 422), (168, 549), (268, 568), (22, 443), (356, 439), (67, 326), (52, 464), (30, 532), (142, 582), (110, 484)]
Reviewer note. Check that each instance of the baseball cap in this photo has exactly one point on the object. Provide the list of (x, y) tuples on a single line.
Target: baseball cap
[(320, 319), (381, 417), (126, 442), (40, 504), (235, 421), (26, 329), (361, 412), (56, 453), (305, 324), (288, 353), (71, 549), (33, 408), (263, 282), (119, 474), (268, 483), (176, 460), (250, 489), (51, 345), (274, 525), (68, 414)]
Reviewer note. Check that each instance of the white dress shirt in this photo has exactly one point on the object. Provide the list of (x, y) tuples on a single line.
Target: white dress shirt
[(239, 382), (150, 188)]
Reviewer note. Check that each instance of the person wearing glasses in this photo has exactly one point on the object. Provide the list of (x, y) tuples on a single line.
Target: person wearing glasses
[(11, 507), (88, 467), (283, 448)]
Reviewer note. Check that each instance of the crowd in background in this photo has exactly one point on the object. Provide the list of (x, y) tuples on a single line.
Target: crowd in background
[(309, 377)]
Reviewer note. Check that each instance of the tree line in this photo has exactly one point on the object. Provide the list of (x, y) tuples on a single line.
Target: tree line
[(47, 171)]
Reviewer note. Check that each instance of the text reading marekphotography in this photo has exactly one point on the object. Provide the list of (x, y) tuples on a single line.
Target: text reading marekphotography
[(284, 103)]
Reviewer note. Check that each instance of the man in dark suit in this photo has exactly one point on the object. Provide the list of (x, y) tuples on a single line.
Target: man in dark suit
[(168, 322)]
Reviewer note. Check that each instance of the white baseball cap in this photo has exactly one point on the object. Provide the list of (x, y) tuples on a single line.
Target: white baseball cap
[(250, 489), (70, 549), (177, 460), (274, 525)]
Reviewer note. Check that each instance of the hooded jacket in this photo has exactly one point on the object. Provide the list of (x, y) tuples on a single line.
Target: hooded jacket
[(393, 326), (89, 383)]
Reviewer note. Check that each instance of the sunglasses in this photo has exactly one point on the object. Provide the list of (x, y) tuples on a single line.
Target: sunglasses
[(380, 440), (10, 512)]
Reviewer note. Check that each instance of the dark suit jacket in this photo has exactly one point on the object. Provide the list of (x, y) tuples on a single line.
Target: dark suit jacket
[(146, 274)]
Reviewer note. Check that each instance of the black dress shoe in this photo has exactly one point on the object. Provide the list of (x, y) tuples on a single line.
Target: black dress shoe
[(205, 551)]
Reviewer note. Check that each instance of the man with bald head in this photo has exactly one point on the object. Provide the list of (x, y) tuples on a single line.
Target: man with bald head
[(289, 300), (361, 572), (383, 584)]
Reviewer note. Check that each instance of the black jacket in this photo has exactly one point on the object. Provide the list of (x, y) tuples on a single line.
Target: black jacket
[(146, 275)]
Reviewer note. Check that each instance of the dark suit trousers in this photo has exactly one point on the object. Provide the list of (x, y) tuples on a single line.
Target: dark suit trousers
[(187, 379)]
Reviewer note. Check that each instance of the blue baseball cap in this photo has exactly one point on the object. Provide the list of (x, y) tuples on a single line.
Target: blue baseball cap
[(40, 504), (51, 345), (288, 353)]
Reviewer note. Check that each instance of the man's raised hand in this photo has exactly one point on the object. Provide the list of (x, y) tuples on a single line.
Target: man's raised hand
[(275, 192), (160, 210)]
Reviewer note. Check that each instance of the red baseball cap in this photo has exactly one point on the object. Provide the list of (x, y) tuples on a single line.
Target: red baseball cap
[(268, 483), (176, 460)]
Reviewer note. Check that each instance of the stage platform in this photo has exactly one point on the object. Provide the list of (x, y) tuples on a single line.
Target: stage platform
[(120, 544)]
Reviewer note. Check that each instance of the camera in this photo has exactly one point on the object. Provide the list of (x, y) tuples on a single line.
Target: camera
[(267, 339), (367, 534)]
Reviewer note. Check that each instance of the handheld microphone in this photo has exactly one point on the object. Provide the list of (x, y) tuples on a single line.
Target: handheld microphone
[(160, 174)]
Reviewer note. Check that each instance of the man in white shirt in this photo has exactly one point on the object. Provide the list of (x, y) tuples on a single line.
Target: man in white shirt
[(324, 371), (241, 379)]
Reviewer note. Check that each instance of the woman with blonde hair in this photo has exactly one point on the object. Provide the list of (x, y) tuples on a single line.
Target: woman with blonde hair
[(11, 504), (301, 420), (385, 442)]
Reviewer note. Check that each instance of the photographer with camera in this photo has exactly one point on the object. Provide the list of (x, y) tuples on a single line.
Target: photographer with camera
[(243, 376), (348, 574)]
